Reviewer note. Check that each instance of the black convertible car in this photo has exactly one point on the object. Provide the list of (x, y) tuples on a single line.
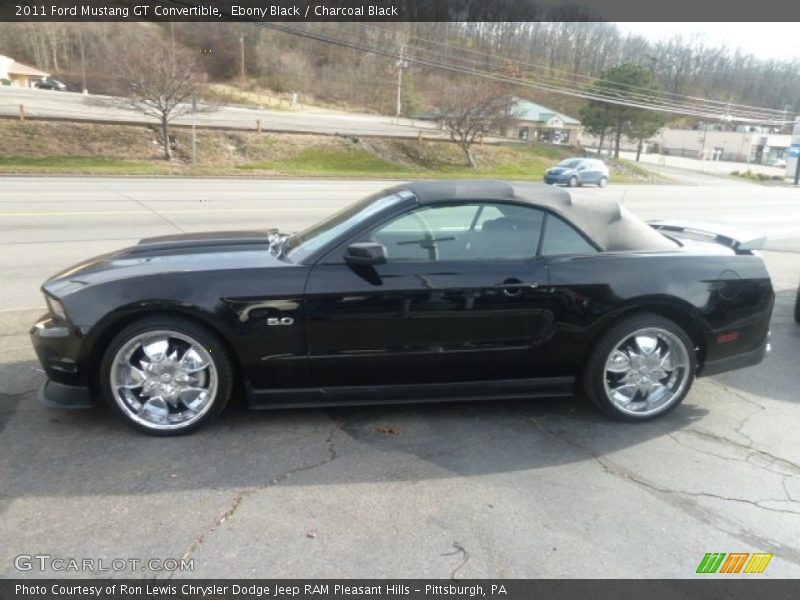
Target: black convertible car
[(423, 292)]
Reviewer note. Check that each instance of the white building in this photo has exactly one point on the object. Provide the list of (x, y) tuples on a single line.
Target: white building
[(16, 74), (740, 146)]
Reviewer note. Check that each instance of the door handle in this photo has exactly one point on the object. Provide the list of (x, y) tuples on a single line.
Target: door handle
[(514, 287), (531, 285)]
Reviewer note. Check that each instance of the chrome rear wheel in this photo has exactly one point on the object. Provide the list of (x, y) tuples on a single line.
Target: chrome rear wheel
[(640, 368), (646, 371)]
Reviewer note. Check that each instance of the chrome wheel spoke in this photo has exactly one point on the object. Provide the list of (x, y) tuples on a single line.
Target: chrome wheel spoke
[(155, 409), (646, 344), (655, 392), (193, 397), (669, 363), (618, 362), (625, 393), (156, 349), (133, 378), (191, 361)]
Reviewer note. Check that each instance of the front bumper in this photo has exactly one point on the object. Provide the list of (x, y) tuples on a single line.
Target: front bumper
[(57, 395), (58, 348)]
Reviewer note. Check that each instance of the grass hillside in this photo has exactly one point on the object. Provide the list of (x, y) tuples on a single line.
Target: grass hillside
[(83, 148)]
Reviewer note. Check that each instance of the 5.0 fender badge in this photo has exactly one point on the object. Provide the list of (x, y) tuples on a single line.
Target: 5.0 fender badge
[(280, 321)]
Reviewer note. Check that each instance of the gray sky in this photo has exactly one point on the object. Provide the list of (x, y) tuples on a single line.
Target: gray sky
[(766, 40)]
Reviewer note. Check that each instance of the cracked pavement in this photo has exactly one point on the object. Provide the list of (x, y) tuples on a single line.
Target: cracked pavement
[(488, 489)]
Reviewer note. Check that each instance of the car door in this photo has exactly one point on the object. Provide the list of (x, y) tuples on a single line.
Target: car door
[(461, 297), (587, 172)]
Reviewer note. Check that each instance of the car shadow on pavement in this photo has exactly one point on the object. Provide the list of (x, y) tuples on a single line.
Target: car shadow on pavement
[(76, 453)]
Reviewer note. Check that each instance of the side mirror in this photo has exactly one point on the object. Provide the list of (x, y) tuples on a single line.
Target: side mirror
[(365, 253)]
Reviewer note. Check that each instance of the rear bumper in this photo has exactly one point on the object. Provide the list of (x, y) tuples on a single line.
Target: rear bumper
[(57, 395), (737, 361)]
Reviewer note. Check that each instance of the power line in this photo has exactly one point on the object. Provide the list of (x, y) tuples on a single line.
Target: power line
[(460, 51), (629, 100)]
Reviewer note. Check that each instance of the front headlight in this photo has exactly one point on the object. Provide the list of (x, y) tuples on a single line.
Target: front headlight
[(56, 308)]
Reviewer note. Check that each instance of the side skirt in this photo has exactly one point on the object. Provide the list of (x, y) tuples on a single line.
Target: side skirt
[(547, 387)]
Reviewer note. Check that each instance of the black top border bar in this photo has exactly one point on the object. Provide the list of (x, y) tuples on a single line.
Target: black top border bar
[(400, 10)]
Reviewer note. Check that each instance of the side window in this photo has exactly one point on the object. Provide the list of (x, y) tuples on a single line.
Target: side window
[(476, 231), (562, 238)]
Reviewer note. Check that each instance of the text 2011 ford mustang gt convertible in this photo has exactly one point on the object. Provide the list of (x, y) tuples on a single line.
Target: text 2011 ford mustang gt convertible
[(423, 292)]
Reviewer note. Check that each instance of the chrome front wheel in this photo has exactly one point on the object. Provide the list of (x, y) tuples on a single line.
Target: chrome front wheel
[(166, 380)]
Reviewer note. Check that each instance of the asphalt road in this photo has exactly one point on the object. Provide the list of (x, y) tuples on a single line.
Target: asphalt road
[(546, 488), (80, 107)]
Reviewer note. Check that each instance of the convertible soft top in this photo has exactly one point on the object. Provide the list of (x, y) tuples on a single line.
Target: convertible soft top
[(605, 221)]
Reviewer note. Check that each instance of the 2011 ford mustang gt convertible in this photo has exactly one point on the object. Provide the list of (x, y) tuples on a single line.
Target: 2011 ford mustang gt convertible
[(423, 292)]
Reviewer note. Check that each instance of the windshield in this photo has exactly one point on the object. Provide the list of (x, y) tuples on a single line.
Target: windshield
[(570, 162), (300, 245)]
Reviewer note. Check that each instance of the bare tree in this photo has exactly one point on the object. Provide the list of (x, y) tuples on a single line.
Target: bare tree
[(158, 80), (471, 109)]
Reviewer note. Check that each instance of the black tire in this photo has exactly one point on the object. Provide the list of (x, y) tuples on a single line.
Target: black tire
[(797, 307), (594, 375), (209, 342), (603, 182), (573, 182)]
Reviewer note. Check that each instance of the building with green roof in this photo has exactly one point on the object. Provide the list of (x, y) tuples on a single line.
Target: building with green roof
[(535, 122)]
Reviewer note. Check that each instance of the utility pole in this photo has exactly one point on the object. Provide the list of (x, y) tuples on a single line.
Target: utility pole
[(194, 130), (83, 61), (402, 64), (444, 71), (241, 57)]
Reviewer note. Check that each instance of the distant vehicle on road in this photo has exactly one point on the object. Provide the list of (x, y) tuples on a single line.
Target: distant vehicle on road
[(780, 163), (423, 292), (51, 84), (578, 171)]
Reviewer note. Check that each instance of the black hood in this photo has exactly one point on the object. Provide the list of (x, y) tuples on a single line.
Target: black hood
[(169, 254)]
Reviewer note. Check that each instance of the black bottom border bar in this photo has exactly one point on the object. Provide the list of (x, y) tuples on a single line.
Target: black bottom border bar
[(742, 587)]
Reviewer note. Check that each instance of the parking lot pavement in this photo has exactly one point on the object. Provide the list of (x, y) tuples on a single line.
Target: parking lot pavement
[(546, 488)]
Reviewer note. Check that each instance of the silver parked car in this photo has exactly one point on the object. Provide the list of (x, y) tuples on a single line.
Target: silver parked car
[(578, 171)]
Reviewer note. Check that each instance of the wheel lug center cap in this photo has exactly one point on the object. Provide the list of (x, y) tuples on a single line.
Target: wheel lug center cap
[(166, 378)]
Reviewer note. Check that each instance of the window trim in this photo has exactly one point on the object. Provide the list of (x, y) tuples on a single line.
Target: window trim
[(337, 251), (482, 205)]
